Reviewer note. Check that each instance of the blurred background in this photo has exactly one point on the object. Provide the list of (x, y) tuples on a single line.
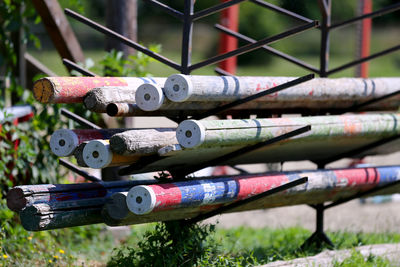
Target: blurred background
[(156, 27)]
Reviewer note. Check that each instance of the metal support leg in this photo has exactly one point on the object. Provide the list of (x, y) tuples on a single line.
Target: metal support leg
[(318, 239)]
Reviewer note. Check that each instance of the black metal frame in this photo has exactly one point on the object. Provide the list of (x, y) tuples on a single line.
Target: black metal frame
[(188, 17)]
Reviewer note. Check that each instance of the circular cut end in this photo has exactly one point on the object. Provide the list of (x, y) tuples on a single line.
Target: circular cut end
[(149, 97), (16, 200), (190, 133), (178, 87), (90, 100), (141, 199), (112, 109), (97, 154), (118, 209), (63, 142), (43, 90)]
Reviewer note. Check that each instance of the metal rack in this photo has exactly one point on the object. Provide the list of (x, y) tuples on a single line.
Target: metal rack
[(188, 17)]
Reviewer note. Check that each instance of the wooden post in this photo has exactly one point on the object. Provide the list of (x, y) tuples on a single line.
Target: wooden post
[(97, 154), (97, 99), (20, 197), (197, 195), (73, 89), (142, 142), (63, 142), (206, 133), (179, 88)]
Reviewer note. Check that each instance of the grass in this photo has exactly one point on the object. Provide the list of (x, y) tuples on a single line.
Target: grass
[(248, 246)]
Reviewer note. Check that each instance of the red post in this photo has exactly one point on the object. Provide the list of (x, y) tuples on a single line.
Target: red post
[(229, 19), (366, 26)]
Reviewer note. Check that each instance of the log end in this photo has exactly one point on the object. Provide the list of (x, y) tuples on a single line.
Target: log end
[(97, 154), (118, 143), (190, 133), (31, 217), (44, 90), (16, 200), (117, 209), (178, 87), (141, 199), (63, 142), (149, 97)]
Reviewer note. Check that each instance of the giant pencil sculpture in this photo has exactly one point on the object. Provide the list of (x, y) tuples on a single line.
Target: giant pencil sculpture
[(200, 195), (73, 89), (337, 92)]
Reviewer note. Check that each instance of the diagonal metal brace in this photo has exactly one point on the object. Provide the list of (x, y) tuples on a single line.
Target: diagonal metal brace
[(78, 119), (180, 173), (275, 89), (78, 171), (122, 39), (72, 65), (356, 151), (239, 203)]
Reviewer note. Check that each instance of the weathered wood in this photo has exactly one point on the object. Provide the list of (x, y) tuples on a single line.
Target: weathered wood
[(39, 217), (78, 154), (191, 133), (97, 99), (73, 89), (179, 88), (97, 154), (142, 142), (63, 142), (116, 213), (20, 197), (322, 186), (33, 68), (59, 30)]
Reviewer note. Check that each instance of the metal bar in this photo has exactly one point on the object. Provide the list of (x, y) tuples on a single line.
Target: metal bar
[(166, 8), (122, 39), (222, 72), (268, 49), (254, 46), (187, 33), (246, 201), (78, 119), (361, 194), (217, 161), (358, 150), (78, 171), (370, 102), (140, 164), (73, 66), (214, 9), (325, 8), (282, 11), (361, 60), (374, 14), (253, 97)]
